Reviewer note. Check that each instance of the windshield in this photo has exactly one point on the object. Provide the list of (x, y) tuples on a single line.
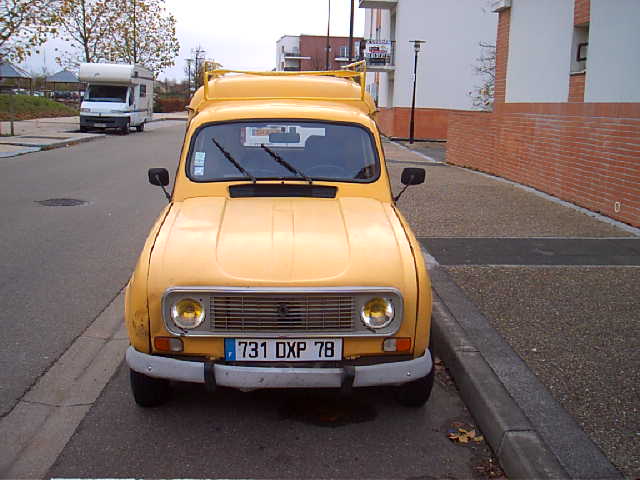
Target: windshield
[(280, 149), (106, 93)]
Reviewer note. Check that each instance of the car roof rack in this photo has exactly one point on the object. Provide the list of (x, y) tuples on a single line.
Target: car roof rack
[(355, 71)]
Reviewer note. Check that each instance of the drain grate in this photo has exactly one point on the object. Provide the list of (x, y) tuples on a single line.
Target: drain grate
[(62, 202)]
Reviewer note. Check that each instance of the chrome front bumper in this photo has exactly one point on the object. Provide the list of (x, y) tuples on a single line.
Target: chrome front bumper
[(393, 373)]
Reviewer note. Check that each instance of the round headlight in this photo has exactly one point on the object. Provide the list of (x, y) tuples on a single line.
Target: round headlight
[(187, 313), (377, 313)]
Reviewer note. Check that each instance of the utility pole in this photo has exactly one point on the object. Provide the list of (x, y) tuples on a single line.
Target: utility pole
[(416, 48), (326, 66), (351, 53)]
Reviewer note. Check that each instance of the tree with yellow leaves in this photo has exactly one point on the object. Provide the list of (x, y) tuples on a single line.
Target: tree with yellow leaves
[(24, 24)]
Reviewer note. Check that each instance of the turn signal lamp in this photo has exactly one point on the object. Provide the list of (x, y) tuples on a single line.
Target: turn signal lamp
[(396, 344), (187, 313), (377, 313), (168, 344)]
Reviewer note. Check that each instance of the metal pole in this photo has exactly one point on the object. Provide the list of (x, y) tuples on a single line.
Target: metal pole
[(413, 101), (326, 65), (350, 54), (189, 79)]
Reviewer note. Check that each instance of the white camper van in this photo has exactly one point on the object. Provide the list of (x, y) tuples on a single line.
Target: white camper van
[(118, 96)]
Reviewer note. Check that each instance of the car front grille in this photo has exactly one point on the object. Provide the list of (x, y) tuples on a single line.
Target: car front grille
[(273, 313)]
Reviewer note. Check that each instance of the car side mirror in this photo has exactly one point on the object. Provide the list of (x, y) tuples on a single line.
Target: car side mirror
[(160, 177), (410, 176), (413, 176)]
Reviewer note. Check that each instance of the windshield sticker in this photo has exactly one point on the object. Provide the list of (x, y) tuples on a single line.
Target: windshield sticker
[(281, 136), (198, 171), (198, 159)]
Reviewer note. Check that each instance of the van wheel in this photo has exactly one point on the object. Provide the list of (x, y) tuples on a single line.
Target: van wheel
[(148, 391), (125, 129), (416, 393), (140, 128)]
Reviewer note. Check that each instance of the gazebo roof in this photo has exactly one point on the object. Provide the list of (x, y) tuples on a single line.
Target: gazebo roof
[(9, 70), (63, 76)]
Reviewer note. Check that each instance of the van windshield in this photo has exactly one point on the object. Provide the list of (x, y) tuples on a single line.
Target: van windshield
[(106, 93), (311, 150)]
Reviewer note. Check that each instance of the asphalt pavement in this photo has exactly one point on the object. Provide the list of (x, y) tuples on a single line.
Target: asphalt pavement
[(62, 265)]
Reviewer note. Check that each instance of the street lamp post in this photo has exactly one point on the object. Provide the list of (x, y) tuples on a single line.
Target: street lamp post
[(416, 48), (189, 60)]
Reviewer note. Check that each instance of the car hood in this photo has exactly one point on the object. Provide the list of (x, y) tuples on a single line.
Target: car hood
[(247, 242)]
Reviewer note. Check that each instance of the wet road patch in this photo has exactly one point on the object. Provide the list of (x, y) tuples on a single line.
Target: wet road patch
[(327, 410)]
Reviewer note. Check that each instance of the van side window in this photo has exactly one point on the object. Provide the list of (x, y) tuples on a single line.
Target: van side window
[(143, 91)]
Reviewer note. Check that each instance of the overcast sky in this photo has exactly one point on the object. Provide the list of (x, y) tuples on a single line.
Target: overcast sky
[(240, 34)]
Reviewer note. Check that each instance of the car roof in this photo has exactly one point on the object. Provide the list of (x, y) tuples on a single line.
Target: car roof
[(303, 89)]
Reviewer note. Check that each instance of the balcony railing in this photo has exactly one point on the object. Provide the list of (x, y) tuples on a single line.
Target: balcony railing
[(380, 55), (378, 3)]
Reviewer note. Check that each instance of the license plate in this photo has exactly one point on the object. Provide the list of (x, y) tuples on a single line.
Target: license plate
[(278, 350), (100, 125)]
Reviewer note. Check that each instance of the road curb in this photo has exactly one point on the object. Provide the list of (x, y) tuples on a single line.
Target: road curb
[(530, 433), (73, 141)]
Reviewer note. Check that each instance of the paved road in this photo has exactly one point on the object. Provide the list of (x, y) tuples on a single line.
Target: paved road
[(61, 266), (270, 434)]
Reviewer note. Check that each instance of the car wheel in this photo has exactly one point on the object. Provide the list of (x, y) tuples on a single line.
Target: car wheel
[(416, 393), (125, 129), (140, 128), (148, 391)]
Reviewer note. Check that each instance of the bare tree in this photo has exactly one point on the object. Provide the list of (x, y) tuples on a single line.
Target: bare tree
[(127, 31), (24, 24), (85, 24), (144, 33), (482, 96)]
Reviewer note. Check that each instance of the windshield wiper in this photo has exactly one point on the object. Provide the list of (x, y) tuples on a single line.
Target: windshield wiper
[(233, 161), (286, 164)]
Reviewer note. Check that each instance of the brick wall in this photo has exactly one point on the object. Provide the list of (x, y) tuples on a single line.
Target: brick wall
[(502, 54), (584, 153), (576, 87), (315, 47), (581, 11), (430, 123)]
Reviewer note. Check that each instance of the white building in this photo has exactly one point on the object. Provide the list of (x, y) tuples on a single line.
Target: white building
[(452, 30), (288, 53)]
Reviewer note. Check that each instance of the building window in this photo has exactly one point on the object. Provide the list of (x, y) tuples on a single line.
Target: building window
[(143, 91), (579, 49), (344, 51)]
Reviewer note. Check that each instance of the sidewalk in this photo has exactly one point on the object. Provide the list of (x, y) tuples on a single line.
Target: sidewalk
[(47, 133), (543, 299)]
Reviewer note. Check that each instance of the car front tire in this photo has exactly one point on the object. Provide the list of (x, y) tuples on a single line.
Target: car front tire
[(416, 393), (140, 128), (125, 129), (148, 391)]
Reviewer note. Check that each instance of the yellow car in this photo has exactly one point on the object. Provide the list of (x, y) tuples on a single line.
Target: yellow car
[(281, 259)]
